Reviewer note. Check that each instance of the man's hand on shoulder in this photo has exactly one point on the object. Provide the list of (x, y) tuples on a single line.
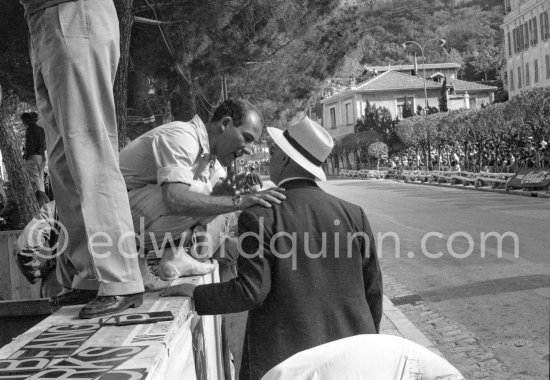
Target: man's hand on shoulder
[(263, 198)]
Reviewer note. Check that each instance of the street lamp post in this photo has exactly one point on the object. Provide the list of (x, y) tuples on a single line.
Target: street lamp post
[(404, 45), (423, 72)]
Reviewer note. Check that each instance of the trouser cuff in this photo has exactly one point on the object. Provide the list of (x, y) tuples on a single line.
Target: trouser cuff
[(120, 288)]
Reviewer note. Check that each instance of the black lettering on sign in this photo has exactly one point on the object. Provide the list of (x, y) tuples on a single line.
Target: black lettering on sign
[(57, 341), (18, 376), (98, 358), (125, 374), (138, 318), (66, 373), (92, 363), (23, 366)]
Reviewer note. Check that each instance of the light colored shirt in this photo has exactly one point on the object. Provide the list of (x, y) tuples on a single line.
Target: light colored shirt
[(176, 152), (363, 357)]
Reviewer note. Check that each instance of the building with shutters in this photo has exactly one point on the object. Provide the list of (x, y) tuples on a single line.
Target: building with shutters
[(527, 44)]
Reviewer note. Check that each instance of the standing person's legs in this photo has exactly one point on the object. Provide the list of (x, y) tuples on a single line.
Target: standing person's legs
[(34, 167), (75, 55)]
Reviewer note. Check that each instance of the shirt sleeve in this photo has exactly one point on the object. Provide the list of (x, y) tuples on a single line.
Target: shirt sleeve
[(174, 155)]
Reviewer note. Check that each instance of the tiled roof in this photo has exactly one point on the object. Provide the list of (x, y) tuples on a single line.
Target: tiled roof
[(419, 66), (395, 80), (462, 85)]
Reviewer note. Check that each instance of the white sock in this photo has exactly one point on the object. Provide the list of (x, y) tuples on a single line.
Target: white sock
[(177, 263)]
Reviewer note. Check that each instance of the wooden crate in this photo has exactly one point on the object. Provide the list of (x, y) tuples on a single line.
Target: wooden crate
[(13, 285)]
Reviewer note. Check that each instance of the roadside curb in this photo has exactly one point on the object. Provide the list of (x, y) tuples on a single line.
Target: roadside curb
[(533, 194), (405, 327)]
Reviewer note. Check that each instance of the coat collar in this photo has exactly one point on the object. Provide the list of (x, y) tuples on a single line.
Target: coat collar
[(299, 182)]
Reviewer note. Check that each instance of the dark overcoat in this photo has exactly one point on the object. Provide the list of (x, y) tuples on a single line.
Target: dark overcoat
[(308, 272)]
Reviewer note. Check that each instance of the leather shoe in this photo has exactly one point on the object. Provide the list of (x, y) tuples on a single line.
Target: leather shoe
[(106, 305), (73, 297)]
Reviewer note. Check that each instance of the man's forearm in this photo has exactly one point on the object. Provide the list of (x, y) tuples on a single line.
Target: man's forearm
[(179, 200), (193, 204)]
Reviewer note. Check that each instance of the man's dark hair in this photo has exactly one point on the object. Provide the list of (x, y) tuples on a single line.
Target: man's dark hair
[(237, 109), (29, 117)]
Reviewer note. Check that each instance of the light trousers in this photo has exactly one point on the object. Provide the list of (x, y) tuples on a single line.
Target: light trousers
[(34, 167), (157, 228), (75, 53)]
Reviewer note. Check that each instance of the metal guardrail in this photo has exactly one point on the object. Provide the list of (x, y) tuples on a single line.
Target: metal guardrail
[(363, 174), (464, 178)]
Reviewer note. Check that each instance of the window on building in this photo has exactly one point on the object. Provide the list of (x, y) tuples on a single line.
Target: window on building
[(332, 118), (530, 32), (519, 78), (547, 67), (522, 38), (525, 36), (535, 31), (527, 78), (511, 80), (536, 70), (400, 105), (509, 45), (349, 114), (544, 26)]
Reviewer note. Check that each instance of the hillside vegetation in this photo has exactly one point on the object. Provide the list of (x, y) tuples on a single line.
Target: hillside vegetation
[(277, 53)]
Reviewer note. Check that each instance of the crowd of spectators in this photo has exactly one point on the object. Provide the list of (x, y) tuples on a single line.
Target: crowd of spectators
[(493, 157)]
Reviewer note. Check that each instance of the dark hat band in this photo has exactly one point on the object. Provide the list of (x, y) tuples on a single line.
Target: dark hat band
[(296, 145)]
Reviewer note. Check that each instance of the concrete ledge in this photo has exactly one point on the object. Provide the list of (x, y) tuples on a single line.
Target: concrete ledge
[(405, 327)]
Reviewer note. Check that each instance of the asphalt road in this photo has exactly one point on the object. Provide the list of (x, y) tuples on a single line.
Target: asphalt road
[(504, 297)]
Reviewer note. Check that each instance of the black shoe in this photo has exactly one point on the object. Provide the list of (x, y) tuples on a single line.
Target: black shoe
[(106, 305), (74, 297)]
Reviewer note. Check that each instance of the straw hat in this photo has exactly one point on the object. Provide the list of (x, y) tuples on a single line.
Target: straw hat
[(307, 143)]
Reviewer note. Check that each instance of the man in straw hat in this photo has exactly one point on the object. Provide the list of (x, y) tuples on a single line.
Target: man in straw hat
[(308, 270)]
